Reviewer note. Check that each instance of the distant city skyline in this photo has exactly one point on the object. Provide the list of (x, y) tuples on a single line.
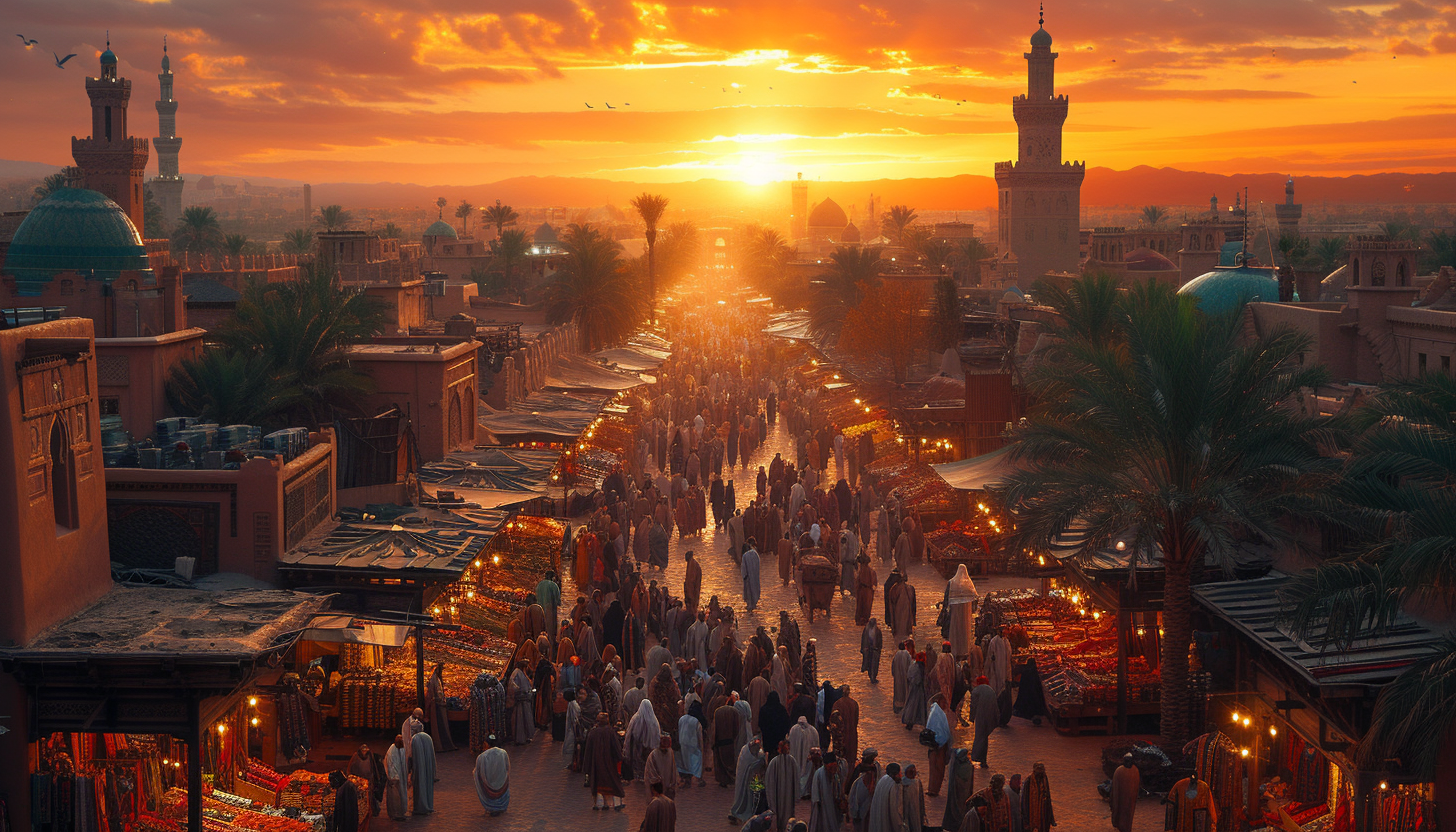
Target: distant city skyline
[(747, 90)]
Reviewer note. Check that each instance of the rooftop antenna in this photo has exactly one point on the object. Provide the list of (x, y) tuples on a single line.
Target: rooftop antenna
[(1245, 242), (164, 44)]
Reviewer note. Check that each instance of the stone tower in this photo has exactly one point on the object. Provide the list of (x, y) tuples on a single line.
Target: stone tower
[(111, 160), (798, 209), (1039, 201), (168, 184), (1289, 213)]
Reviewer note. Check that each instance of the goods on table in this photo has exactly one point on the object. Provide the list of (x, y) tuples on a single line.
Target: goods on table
[(224, 812), (917, 483), (311, 792)]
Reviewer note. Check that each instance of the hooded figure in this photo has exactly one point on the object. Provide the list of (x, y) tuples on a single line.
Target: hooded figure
[(396, 783), (600, 759), (1030, 698), (887, 808), (493, 779), (1036, 801), (985, 714), (690, 740), (1127, 782), (661, 767), (773, 721), (825, 794), (748, 569), (422, 771), (750, 764), (958, 790), (726, 723), (781, 785), (803, 740), (641, 737), (871, 645), (346, 803)]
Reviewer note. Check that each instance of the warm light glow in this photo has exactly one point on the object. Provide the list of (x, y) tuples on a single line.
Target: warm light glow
[(253, 701), (1273, 732), (1121, 546), (254, 720), (1040, 560), (1097, 615), (222, 729), (1236, 717), (477, 562), (437, 610), (1384, 785), (1246, 722), (470, 593), (1244, 752), (496, 560)]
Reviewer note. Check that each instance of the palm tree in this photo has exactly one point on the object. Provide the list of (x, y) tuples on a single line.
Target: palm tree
[(973, 251), (1330, 253), (500, 216), (593, 288), (1089, 309), (650, 208), (915, 238), (51, 183), (230, 388), (154, 225), (1178, 437), (298, 241), (1153, 216), (1399, 473), (679, 250), (198, 231), (302, 328), (233, 245), (511, 248), (333, 218), (440, 204), (937, 253), (390, 231), (1293, 248), (945, 314), (894, 221), (852, 272), (765, 260), (463, 211), (1441, 250)]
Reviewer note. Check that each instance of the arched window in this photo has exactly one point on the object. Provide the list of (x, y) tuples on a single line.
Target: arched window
[(63, 478), (1030, 204), (1355, 272), (1400, 276), (452, 436), (1209, 242), (1193, 243)]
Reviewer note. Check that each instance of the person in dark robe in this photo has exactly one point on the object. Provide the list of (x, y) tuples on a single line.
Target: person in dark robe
[(985, 715), (612, 629), (436, 708), (750, 763), (422, 772), (959, 787), (781, 785), (864, 591), (1030, 698), (773, 722), (727, 723), (802, 704), (729, 662), (844, 725), (545, 682), (871, 646), (346, 803), (1000, 811), (916, 706), (1127, 783), (1036, 801), (692, 581), (661, 812), (369, 767), (601, 759)]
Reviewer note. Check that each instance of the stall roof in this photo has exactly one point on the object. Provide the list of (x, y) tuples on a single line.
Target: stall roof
[(977, 473), (1254, 608), (184, 624), (574, 372), (346, 629), (561, 415), (401, 540), (493, 477), (791, 325)]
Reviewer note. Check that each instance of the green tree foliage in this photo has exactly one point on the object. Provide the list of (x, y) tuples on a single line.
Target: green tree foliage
[(651, 207), (1293, 250), (298, 241), (945, 314), (937, 253), (972, 251), (1440, 250), (197, 231), (894, 221), (153, 222), (1329, 254), (299, 330), (594, 288), (1399, 476), (851, 273), (510, 250), (1153, 216), (333, 218), (51, 183), (390, 231), (1177, 436), (500, 216), (463, 211), (764, 263), (231, 388)]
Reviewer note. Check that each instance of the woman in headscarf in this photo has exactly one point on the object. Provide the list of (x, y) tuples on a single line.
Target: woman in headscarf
[(936, 755), (519, 694), (1030, 698), (642, 736), (573, 717), (691, 729), (782, 676), (611, 690), (589, 702), (915, 710), (610, 658), (612, 626), (492, 779), (809, 665), (773, 721), (545, 682)]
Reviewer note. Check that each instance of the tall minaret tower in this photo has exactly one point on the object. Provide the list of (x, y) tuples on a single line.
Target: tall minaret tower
[(111, 160), (168, 184), (1040, 195)]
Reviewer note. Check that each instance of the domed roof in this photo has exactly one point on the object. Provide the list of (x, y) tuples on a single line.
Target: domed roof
[(166, 62), (74, 230), (1223, 289), (1144, 259), (828, 214), (544, 234), (440, 228), (108, 58), (850, 235), (1041, 37)]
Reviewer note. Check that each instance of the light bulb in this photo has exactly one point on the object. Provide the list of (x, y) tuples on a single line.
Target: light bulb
[(1244, 753), (470, 594), (1246, 722), (1121, 546), (255, 722), (1273, 732), (222, 729), (1236, 717), (1384, 785), (496, 559), (253, 701)]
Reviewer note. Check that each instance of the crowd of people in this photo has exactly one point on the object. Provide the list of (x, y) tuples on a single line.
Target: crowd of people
[(640, 683)]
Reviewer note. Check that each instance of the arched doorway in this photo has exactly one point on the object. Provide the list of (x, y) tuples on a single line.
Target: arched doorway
[(63, 477)]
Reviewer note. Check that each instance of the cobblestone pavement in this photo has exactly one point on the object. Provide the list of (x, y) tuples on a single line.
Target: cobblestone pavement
[(545, 796)]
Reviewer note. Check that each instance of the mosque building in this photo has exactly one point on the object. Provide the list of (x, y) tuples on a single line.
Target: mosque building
[(167, 185), (112, 161), (1039, 195)]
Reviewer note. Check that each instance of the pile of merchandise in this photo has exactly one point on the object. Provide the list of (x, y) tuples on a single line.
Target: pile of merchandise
[(311, 793), (916, 482), (224, 812)]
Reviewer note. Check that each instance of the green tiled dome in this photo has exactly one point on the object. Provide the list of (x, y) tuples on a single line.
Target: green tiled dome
[(440, 228), (1223, 289), (74, 230)]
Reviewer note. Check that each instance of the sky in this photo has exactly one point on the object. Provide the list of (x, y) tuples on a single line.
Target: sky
[(473, 91)]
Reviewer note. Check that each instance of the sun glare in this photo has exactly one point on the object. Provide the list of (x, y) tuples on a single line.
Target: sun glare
[(758, 169)]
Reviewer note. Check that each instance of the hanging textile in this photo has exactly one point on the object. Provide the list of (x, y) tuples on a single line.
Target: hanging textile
[(1217, 763)]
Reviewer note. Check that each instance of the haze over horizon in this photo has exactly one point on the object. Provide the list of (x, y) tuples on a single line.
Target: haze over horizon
[(743, 90)]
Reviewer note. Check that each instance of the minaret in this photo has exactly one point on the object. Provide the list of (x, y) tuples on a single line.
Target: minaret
[(1289, 213), (168, 184), (1040, 195), (111, 160)]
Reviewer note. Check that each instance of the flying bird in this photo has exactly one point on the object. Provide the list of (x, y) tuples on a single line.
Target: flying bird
[(590, 107), (609, 106), (29, 43), (626, 103), (61, 62)]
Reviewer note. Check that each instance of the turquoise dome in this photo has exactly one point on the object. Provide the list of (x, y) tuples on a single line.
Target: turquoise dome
[(1041, 37), (1224, 289), (440, 228), (108, 57), (74, 230)]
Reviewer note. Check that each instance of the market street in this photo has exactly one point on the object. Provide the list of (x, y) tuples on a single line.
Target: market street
[(545, 796)]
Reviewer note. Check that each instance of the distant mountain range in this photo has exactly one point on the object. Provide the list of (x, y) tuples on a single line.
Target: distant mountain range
[(1103, 187)]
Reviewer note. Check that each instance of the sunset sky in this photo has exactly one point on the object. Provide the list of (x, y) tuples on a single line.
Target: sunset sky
[(467, 91)]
